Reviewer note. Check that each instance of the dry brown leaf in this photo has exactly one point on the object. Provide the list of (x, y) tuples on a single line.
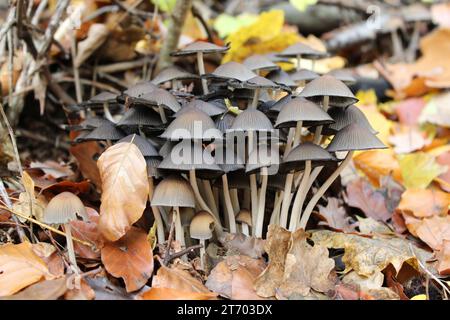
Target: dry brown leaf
[(374, 281), (123, 171), (369, 255), (51, 257), (444, 182), (433, 231), (362, 195), (376, 164), (20, 267), (97, 35), (52, 169), (238, 243), (130, 258), (84, 152), (84, 293), (307, 268), (408, 139), (409, 110), (44, 290), (335, 215), (423, 203), (87, 231), (277, 246), (177, 279), (174, 294), (443, 257), (369, 226), (234, 277)]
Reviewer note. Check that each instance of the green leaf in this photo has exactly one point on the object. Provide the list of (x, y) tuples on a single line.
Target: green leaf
[(165, 5), (301, 5), (226, 24)]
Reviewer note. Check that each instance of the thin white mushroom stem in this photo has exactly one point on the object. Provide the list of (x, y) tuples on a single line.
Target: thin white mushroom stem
[(235, 200), (156, 214), (298, 132), (313, 176), (107, 112), (286, 200), (201, 71), (290, 140), (253, 185), (70, 248), (179, 231), (202, 253), (162, 114), (275, 217), (300, 197), (216, 194), (299, 59), (312, 203), (228, 204), (210, 197), (318, 132), (201, 202), (262, 203), (255, 98), (245, 229)]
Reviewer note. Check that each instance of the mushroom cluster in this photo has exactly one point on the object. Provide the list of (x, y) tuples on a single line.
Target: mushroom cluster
[(243, 148)]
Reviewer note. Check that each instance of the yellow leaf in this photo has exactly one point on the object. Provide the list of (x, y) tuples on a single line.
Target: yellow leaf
[(366, 97), (262, 36), (419, 169), (419, 297)]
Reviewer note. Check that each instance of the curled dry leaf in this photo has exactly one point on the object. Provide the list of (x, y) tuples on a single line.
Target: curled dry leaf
[(84, 293), (277, 246), (51, 257), (362, 195), (174, 294), (433, 231), (369, 255), (238, 243), (43, 290), (96, 36), (443, 256), (130, 258), (20, 267), (123, 171), (85, 153), (177, 279), (423, 203), (335, 215), (374, 281), (234, 277), (52, 169), (87, 231), (370, 226)]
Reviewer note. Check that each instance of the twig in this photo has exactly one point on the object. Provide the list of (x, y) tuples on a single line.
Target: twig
[(169, 243), (12, 137), (76, 72), (121, 66), (182, 252), (8, 205)]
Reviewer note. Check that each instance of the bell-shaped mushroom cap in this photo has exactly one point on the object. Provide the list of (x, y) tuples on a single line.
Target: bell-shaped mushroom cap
[(146, 148), (224, 122), (295, 159), (251, 120), (343, 75), (257, 82), (193, 124), (345, 116), (199, 46), (279, 105), (160, 97), (90, 123), (152, 167), (140, 116), (202, 226), (101, 98), (303, 75), (231, 70), (300, 109), (106, 131), (209, 108), (303, 50), (274, 57), (173, 191), (138, 90), (64, 208), (186, 156), (259, 62), (82, 134), (282, 78), (166, 148), (355, 137), (263, 156), (326, 85), (173, 73), (244, 216)]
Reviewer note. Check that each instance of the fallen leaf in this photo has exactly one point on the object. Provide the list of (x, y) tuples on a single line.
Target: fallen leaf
[(376, 164), (238, 243), (374, 281), (443, 257), (123, 172), (335, 215), (84, 293), (433, 231), (362, 195), (444, 160), (174, 294), (87, 230), (424, 203), (436, 111), (51, 257), (419, 169), (97, 35), (130, 258), (52, 169), (409, 110), (85, 152), (440, 14), (70, 186), (44, 290), (277, 246), (104, 289), (20, 267), (234, 277), (369, 255), (409, 139), (369, 226), (378, 122), (177, 279)]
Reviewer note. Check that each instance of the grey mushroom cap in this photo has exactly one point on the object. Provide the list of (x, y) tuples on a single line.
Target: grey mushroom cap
[(257, 82), (251, 120), (224, 122), (345, 116), (282, 78), (173, 73), (303, 50), (259, 62), (274, 57), (296, 158), (303, 75), (202, 226), (152, 167), (300, 109), (231, 71), (173, 191), (140, 116), (339, 94), (106, 131), (146, 148), (88, 123), (343, 75), (279, 105), (63, 208), (200, 46), (355, 137), (139, 89), (160, 97), (193, 124), (209, 108), (263, 156), (101, 98)]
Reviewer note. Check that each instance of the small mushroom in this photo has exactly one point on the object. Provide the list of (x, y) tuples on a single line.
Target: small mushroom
[(258, 62), (209, 108), (245, 218), (161, 99), (201, 229), (106, 132), (144, 146), (173, 74), (300, 50), (140, 117), (62, 209), (343, 117)]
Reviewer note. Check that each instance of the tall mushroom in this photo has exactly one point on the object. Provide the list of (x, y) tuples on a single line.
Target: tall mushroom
[(300, 50), (62, 209), (174, 75)]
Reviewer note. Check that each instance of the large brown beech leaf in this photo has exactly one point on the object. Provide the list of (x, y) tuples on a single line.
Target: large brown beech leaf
[(84, 153), (129, 258), (123, 171), (87, 231)]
